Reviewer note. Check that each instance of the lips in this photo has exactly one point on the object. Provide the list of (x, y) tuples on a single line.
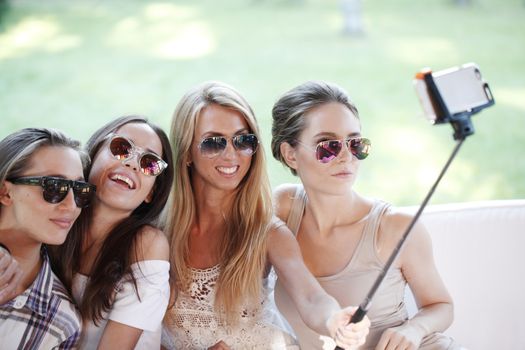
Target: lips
[(343, 173), (62, 222), (123, 180)]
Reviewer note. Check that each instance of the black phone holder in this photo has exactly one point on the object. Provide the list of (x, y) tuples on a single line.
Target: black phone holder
[(463, 127), (460, 122)]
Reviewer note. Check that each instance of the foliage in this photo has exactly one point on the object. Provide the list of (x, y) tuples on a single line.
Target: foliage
[(76, 64)]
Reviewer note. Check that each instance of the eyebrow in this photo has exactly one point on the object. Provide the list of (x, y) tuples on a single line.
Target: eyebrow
[(216, 133), (80, 178)]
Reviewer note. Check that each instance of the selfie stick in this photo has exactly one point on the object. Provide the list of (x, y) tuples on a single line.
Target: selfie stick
[(462, 128)]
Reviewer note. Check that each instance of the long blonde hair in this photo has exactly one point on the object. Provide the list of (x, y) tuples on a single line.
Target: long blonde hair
[(243, 252)]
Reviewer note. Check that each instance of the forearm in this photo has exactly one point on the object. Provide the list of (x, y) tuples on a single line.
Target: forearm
[(432, 318), (316, 310)]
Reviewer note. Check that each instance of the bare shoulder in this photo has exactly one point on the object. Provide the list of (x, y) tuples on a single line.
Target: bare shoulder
[(282, 245), (394, 224), (152, 244), (283, 196), (278, 230)]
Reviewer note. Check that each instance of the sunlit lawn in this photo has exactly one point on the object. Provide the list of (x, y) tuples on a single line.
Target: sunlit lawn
[(76, 64)]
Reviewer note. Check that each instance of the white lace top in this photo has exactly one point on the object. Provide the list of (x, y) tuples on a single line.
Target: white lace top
[(194, 324)]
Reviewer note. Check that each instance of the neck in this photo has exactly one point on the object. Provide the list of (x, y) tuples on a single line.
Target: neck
[(102, 221), (213, 205), (329, 211), (26, 252)]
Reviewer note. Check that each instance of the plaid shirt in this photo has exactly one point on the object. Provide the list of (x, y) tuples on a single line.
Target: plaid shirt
[(43, 317)]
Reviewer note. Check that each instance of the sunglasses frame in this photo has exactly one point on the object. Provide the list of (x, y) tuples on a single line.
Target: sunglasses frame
[(347, 142), (233, 141), (139, 152), (78, 187)]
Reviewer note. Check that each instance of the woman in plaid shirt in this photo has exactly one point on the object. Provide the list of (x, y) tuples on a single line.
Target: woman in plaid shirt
[(38, 167)]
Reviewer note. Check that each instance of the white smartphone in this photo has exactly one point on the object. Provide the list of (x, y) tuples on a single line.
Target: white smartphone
[(462, 89)]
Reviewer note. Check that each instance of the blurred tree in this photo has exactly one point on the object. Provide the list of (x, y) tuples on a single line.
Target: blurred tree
[(352, 17), (3, 9)]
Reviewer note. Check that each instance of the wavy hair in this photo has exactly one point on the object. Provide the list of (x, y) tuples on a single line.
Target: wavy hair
[(243, 252), (116, 255)]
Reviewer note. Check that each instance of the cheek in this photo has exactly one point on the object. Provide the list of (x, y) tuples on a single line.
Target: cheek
[(148, 185)]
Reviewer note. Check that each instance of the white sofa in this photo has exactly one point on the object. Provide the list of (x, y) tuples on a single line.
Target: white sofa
[(479, 249)]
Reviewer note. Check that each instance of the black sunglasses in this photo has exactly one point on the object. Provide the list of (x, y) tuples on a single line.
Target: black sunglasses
[(150, 163), (246, 144), (57, 188)]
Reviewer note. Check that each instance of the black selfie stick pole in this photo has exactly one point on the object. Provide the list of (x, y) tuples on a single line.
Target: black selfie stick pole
[(462, 128), (365, 305)]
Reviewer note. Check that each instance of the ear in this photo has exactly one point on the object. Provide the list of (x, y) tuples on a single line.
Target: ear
[(5, 197), (189, 161), (149, 197), (288, 153)]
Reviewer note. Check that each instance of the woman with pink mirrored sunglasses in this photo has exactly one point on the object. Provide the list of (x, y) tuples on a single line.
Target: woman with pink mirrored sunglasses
[(346, 238)]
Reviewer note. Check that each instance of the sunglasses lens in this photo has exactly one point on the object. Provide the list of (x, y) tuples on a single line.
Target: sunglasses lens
[(55, 190), (120, 148), (83, 193), (246, 144), (360, 147), (151, 164), (213, 146), (328, 150)]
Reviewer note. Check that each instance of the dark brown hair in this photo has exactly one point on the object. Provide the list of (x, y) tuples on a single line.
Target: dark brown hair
[(115, 256)]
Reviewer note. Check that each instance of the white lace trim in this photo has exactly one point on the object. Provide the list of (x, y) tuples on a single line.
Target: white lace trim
[(193, 322)]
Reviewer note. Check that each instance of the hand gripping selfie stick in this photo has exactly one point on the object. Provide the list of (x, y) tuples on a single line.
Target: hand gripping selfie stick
[(463, 127)]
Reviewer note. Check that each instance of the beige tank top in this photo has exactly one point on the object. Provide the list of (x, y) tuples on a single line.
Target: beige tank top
[(351, 284)]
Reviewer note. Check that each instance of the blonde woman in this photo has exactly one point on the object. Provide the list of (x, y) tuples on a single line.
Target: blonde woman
[(224, 241)]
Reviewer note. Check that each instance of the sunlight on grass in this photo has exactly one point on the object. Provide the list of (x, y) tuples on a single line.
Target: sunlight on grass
[(514, 97), (192, 41), (413, 51), (168, 31), (405, 141), (35, 34)]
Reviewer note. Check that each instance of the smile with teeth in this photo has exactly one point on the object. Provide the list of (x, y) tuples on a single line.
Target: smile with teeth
[(125, 179), (227, 170)]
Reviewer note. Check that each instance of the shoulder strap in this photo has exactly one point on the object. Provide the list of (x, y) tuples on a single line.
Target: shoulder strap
[(372, 225), (297, 210)]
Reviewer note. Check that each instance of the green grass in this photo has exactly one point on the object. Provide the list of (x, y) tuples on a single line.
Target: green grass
[(76, 64)]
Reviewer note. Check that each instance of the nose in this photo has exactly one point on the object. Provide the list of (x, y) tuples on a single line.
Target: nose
[(132, 162), (69, 202), (230, 150), (345, 153)]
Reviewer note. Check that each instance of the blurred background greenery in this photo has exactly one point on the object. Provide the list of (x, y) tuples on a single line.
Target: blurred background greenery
[(74, 65)]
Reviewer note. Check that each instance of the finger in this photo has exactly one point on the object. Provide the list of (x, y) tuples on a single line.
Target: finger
[(9, 271), (8, 290), (383, 341), (348, 340), (5, 259)]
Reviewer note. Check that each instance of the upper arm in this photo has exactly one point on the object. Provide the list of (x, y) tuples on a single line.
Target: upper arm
[(119, 336), (418, 266), (285, 255), (282, 200), (152, 244)]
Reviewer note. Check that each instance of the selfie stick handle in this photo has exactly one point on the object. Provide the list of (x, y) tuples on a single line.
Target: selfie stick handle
[(363, 308)]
